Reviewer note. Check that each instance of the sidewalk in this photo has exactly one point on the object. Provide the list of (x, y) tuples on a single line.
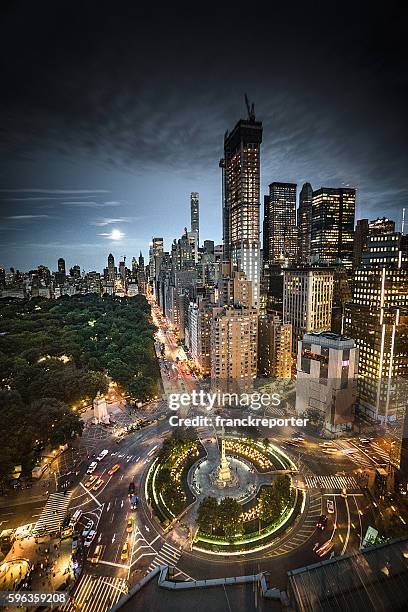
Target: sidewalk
[(45, 562)]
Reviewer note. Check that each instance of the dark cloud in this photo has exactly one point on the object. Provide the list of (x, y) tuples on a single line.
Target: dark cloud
[(136, 103)]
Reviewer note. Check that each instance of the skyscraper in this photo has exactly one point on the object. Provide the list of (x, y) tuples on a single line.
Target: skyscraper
[(307, 300), (61, 266), (364, 229), (111, 267), (304, 223), (333, 225), (377, 318), (241, 176), (360, 241), (195, 214), (156, 250), (280, 225)]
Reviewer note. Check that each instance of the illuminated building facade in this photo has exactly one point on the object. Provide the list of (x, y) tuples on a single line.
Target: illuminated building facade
[(241, 204), (307, 300), (332, 233), (274, 347), (111, 267), (365, 229), (280, 243), (234, 337), (195, 214), (377, 318), (304, 223), (199, 323)]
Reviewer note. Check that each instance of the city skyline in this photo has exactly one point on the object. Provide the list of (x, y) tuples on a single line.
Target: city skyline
[(203, 308), (116, 162)]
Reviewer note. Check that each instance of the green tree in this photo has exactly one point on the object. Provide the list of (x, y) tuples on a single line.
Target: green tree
[(269, 505), (230, 516), (208, 515)]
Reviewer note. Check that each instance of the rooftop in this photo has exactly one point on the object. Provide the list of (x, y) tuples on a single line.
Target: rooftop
[(373, 579), (329, 339)]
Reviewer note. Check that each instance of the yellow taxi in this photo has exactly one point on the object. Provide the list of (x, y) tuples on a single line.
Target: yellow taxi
[(125, 552), (98, 484), (129, 527), (91, 481), (97, 554), (114, 469)]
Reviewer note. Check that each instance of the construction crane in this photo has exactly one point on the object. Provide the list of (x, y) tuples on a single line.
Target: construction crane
[(250, 109)]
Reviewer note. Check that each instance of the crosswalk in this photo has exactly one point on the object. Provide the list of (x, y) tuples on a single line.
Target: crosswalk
[(96, 593), (53, 513), (331, 482), (307, 527), (168, 555)]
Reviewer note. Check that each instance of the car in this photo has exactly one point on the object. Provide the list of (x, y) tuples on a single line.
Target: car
[(92, 467), (75, 517), (131, 488), (114, 469), (129, 527), (343, 492), (91, 481), (125, 552), (321, 522), (98, 484), (90, 537), (329, 450), (97, 554), (330, 506), (133, 501), (364, 441), (74, 545), (102, 454), (87, 529)]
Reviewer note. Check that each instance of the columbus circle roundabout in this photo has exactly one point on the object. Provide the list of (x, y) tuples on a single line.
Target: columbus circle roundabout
[(219, 497)]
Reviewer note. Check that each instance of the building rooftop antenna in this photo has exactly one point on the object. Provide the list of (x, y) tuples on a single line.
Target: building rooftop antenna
[(250, 109)]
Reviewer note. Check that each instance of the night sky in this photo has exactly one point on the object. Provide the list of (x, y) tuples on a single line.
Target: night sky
[(109, 121)]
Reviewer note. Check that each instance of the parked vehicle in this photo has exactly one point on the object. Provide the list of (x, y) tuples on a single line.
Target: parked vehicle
[(90, 537)]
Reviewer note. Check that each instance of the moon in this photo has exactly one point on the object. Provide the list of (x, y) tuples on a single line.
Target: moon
[(116, 234)]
